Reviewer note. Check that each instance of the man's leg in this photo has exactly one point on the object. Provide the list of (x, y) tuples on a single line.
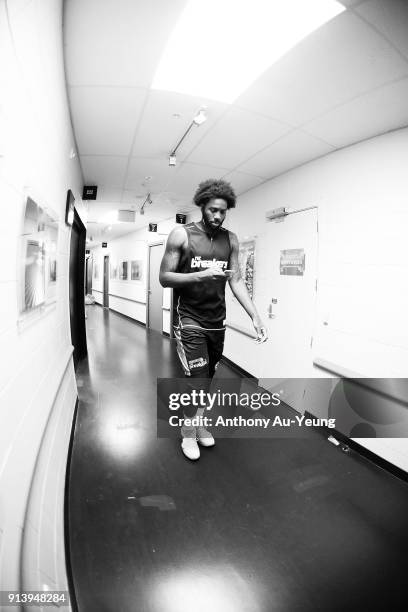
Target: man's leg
[(193, 354), (215, 347)]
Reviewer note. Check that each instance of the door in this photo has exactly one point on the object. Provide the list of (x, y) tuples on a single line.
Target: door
[(106, 281), (155, 290), (88, 275), (291, 284), (76, 288)]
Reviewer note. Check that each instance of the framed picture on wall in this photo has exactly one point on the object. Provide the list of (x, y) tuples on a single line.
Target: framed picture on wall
[(246, 260), (123, 270), (136, 269), (37, 266)]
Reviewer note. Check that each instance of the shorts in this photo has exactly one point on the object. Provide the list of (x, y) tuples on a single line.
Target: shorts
[(198, 348)]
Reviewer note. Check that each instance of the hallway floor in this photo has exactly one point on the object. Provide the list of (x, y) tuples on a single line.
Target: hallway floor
[(256, 525)]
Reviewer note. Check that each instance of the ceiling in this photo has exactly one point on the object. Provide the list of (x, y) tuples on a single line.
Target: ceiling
[(346, 82)]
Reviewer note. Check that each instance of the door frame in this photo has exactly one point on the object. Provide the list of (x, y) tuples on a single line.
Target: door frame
[(151, 244)]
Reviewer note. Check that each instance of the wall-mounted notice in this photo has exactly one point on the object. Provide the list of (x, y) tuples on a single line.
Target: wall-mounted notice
[(292, 262)]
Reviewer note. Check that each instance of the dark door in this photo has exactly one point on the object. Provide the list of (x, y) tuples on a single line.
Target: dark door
[(76, 289), (88, 275), (106, 281)]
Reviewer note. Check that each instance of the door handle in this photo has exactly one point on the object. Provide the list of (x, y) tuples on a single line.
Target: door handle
[(270, 308)]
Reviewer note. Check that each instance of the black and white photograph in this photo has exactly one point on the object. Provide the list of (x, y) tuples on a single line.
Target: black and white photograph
[(204, 297)]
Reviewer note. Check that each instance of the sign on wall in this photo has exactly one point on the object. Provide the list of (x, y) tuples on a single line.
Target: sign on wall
[(292, 262)]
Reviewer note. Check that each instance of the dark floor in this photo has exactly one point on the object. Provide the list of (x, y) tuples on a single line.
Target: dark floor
[(256, 525)]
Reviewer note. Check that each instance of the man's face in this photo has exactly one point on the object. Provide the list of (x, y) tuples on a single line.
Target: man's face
[(214, 212)]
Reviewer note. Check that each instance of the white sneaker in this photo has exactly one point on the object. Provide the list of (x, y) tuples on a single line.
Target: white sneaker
[(190, 448), (204, 437)]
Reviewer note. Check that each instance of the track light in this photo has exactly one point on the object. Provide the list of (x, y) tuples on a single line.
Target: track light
[(197, 120), (148, 200)]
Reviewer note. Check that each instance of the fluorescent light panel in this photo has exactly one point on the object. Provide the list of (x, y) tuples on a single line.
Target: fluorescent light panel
[(219, 47)]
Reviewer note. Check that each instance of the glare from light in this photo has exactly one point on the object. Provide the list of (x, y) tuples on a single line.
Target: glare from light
[(219, 589), (123, 437), (219, 47)]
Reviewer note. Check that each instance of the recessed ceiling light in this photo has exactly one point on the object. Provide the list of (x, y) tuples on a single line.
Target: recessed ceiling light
[(252, 36)]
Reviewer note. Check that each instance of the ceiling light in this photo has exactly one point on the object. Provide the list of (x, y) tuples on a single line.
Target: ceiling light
[(254, 35), (172, 160)]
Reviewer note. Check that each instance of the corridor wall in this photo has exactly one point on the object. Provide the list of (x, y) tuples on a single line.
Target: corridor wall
[(37, 382), (362, 296)]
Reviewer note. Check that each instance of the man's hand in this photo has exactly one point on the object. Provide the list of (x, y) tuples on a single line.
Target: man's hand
[(213, 273), (261, 331)]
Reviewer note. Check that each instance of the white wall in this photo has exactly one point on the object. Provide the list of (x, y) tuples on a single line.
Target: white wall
[(360, 192), (37, 382)]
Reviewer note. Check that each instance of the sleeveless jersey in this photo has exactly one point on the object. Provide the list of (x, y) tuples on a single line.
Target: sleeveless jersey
[(203, 302)]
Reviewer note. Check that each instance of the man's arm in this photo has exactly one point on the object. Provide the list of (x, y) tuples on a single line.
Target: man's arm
[(240, 291), (168, 276)]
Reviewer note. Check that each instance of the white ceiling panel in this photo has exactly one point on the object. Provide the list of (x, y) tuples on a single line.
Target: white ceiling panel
[(104, 170), (107, 194), (189, 175), (375, 113), (105, 118), (142, 167), (290, 151), (241, 181), (238, 136), (132, 197), (111, 42), (341, 60), (168, 115), (391, 18)]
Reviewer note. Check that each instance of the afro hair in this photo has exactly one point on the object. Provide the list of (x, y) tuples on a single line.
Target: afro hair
[(214, 188)]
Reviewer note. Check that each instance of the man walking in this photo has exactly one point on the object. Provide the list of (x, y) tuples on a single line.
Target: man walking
[(198, 261)]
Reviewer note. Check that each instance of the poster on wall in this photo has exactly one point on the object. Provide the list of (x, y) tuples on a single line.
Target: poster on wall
[(246, 261), (292, 262), (136, 270), (34, 283), (38, 264), (123, 270), (113, 272)]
